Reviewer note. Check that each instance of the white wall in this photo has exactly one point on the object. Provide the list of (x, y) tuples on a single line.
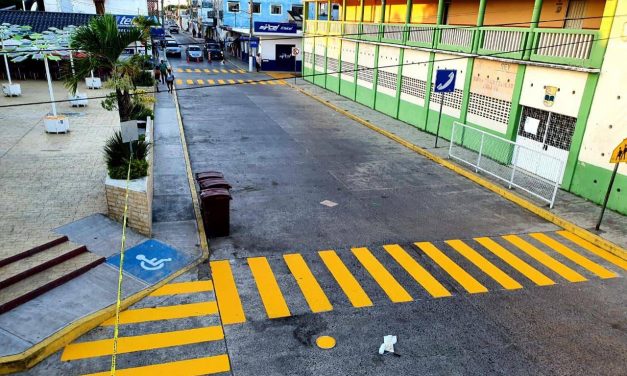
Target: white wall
[(267, 48), (123, 7)]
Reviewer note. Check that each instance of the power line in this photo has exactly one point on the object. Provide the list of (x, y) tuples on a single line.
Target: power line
[(318, 74)]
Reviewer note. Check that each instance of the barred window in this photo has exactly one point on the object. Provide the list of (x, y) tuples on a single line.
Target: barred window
[(452, 100), (489, 108), (387, 80), (414, 87), (319, 61), (308, 58), (365, 73), (332, 65)]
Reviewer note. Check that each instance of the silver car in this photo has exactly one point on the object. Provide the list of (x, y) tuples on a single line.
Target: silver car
[(194, 53)]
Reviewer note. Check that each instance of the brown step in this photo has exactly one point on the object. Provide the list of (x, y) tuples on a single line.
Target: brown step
[(37, 262), (33, 251), (37, 284)]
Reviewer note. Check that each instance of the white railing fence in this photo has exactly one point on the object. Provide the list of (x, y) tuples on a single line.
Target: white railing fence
[(502, 158)]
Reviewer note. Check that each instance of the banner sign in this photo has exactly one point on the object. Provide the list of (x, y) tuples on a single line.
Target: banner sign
[(127, 20), (275, 27)]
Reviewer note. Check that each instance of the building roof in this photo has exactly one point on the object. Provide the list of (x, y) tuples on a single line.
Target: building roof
[(41, 21)]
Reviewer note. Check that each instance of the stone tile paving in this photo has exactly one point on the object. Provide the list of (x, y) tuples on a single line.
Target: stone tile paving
[(48, 180)]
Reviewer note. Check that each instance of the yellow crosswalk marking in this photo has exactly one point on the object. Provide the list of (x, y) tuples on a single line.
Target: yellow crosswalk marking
[(272, 82), (82, 350), (224, 71), (180, 70), (231, 311), (232, 71), (353, 290), (268, 288), (179, 82), (594, 249), (548, 261), (206, 70), (517, 263), (188, 70), (199, 366), (484, 264), (231, 81), (420, 274), (184, 288), (241, 71), (315, 297), (197, 70), (252, 82), (574, 256), (215, 71), (386, 281), (211, 82), (466, 280), (200, 82), (281, 82), (240, 81), (133, 316), (221, 82), (190, 82)]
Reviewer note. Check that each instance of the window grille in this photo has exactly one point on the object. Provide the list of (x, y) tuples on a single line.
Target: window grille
[(451, 100), (413, 86), (387, 80), (365, 73), (489, 108), (332, 65)]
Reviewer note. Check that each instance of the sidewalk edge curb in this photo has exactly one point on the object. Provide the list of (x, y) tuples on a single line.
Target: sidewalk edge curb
[(606, 245)]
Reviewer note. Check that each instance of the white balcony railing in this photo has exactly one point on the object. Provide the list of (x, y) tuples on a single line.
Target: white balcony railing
[(370, 31), (457, 36), (421, 34), (394, 32), (556, 43), (351, 30), (504, 40)]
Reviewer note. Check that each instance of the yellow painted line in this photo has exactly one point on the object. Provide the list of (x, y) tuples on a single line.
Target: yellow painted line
[(272, 82), (133, 316), (188, 70), (211, 82), (281, 82), (573, 256), (231, 310), (200, 82), (240, 81), (262, 82), (382, 276), (594, 249), (232, 71), (268, 288), (484, 264), (180, 70), (221, 82), (353, 290), (206, 70), (197, 70), (231, 81), (517, 263), (215, 71), (179, 82), (315, 297), (82, 350), (252, 82), (224, 71), (420, 274), (190, 367), (190, 82), (548, 261), (466, 280), (241, 71), (184, 288)]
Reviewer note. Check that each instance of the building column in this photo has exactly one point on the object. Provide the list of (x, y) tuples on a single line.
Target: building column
[(535, 18), (408, 15), (382, 11), (604, 32), (361, 11), (440, 14)]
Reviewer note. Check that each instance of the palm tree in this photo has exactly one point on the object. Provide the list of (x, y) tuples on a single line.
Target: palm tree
[(144, 24), (103, 43)]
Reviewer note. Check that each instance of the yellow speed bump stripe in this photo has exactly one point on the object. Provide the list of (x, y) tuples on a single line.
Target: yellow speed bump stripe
[(484, 264), (200, 82), (211, 82), (268, 288), (594, 249), (92, 349), (191, 367), (574, 256), (241, 71), (215, 71), (353, 290), (184, 288), (190, 82), (231, 311), (517, 263), (548, 261), (382, 276), (420, 274), (188, 70), (221, 82), (240, 81), (231, 81), (206, 70), (466, 280), (315, 297), (197, 70), (224, 71), (272, 82), (179, 82), (133, 316), (232, 71), (180, 70)]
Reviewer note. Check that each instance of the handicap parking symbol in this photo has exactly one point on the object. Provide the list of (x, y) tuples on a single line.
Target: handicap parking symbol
[(151, 261)]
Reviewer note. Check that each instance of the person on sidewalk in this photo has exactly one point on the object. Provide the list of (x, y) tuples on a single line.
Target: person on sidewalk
[(163, 67), (170, 81), (258, 61), (157, 73)]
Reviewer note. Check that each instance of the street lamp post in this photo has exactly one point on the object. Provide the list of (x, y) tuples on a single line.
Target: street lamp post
[(251, 56)]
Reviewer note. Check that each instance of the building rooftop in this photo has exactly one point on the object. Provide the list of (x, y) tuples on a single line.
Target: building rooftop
[(41, 21)]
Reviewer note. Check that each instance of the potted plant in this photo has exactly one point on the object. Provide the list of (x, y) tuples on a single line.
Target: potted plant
[(10, 37), (118, 154)]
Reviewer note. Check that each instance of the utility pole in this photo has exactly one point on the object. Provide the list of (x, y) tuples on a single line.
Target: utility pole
[(251, 56)]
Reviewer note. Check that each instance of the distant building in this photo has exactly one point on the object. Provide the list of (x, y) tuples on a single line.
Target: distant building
[(119, 7)]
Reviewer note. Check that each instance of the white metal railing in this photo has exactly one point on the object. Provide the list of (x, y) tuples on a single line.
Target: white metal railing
[(502, 158), (322, 27), (457, 36), (310, 26), (394, 32), (567, 45), (335, 28), (421, 34), (351, 30), (370, 30), (503, 40)]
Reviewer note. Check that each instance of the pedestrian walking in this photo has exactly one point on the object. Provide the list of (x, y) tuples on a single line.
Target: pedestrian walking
[(170, 81), (163, 67), (258, 61), (157, 73)]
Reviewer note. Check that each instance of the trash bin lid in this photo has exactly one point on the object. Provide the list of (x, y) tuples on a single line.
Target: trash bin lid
[(215, 192)]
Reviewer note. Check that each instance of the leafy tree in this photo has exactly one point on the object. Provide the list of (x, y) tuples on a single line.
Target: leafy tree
[(144, 24)]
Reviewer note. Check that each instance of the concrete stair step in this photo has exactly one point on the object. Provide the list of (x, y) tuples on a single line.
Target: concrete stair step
[(37, 284), (32, 251), (37, 262)]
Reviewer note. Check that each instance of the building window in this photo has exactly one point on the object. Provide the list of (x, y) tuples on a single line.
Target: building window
[(257, 8), (276, 9), (297, 9), (233, 6)]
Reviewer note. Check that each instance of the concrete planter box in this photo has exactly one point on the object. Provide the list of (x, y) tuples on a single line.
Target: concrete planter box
[(56, 124), (78, 99), (12, 90), (93, 83)]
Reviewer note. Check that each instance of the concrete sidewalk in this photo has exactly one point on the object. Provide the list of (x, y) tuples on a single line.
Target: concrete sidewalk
[(575, 209)]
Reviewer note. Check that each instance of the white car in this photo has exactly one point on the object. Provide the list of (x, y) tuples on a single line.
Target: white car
[(194, 53), (172, 48)]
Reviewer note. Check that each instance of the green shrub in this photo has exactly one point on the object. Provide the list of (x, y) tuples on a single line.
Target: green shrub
[(139, 169), (141, 112), (144, 78), (117, 155)]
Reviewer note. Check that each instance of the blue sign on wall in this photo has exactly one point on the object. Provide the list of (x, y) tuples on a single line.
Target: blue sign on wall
[(445, 80), (127, 20), (151, 261), (275, 27)]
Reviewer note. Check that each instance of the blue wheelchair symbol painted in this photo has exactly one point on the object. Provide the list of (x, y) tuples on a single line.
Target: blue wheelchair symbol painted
[(151, 264), (445, 80)]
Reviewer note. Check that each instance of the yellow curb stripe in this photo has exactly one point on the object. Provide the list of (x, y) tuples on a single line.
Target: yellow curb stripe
[(352, 289), (502, 191), (594, 249), (184, 288), (200, 366), (268, 288), (548, 261), (382, 276), (517, 263), (467, 281), (418, 273), (230, 304), (573, 256), (133, 316), (484, 264), (313, 293), (130, 344), (179, 82)]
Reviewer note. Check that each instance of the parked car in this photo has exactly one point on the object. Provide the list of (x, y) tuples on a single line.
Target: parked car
[(214, 52), (194, 53), (174, 29), (172, 48)]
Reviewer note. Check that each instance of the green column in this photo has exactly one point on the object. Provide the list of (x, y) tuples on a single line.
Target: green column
[(343, 16), (535, 18), (329, 10), (408, 15), (440, 15), (480, 16), (361, 11), (382, 11)]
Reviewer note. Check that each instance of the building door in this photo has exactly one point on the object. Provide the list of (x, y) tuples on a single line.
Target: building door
[(284, 58), (544, 138), (575, 14)]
